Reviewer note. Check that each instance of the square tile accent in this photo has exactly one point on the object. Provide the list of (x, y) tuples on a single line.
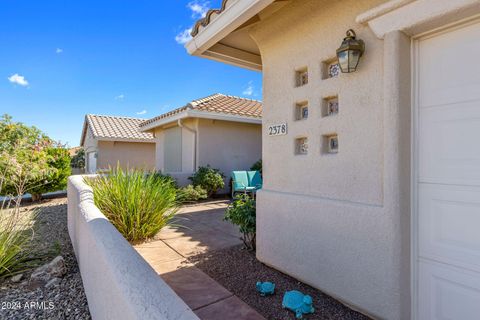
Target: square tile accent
[(301, 76), (301, 110), (330, 68), (330, 143), (301, 145), (330, 106)]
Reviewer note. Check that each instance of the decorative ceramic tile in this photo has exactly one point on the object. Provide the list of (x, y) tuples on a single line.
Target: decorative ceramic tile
[(332, 144), (304, 114), (333, 70), (302, 145), (332, 106), (302, 77)]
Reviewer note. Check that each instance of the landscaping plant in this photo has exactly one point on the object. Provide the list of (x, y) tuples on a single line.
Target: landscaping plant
[(257, 166), (31, 161), (209, 179), (191, 194), (16, 234), (138, 204), (242, 212)]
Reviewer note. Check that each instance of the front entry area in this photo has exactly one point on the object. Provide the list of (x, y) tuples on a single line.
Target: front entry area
[(447, 179)]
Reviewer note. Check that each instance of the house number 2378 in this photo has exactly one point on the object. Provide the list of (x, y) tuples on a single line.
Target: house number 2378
[(277, 129)]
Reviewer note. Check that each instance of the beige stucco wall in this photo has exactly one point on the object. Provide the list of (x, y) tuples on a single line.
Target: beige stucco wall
[(229, 146), (139, 155), (224, 145), (339, 222)]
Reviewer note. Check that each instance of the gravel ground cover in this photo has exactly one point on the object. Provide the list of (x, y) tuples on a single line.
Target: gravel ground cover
[(62, 299), (238, 270)]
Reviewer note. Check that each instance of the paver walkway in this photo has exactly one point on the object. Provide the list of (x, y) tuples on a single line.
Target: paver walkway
[(202, 229)]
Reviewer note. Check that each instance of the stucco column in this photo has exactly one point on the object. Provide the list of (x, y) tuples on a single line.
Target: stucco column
[(397, 121)]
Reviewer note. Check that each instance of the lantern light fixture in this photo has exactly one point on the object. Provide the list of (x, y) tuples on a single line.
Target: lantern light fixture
[(350, 52)]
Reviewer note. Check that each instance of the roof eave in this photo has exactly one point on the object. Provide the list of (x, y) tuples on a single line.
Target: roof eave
[(200, 114), (206, 42)]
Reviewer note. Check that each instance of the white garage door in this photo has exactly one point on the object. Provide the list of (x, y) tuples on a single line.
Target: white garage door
[(448, 98)]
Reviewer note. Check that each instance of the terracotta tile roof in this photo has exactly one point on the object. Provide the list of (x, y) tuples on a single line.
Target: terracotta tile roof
[(218, 103), (111, 128), (211, 14)]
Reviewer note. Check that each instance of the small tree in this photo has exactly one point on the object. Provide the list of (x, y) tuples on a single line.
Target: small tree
[(30, 160), (242, 212), (209, 179)]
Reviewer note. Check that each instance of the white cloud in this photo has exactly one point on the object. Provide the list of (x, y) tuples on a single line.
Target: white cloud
[(184, 36), (249, 89), (18, 79), (58, 50), (120, 97), (142, 112), (199, 8)]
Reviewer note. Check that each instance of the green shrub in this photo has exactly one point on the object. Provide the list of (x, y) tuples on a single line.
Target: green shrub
[(164, 177), (78, 159), (242, 212), (191, 194), (257, 166), (209, 179), (139, 205)]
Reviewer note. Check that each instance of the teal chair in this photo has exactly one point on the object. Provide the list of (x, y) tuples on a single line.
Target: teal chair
[(246, 181)]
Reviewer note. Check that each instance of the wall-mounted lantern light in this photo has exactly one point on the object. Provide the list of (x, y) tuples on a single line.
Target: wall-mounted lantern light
[(350, 52)]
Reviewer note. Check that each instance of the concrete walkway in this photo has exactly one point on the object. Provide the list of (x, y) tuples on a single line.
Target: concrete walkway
[(203, 229)]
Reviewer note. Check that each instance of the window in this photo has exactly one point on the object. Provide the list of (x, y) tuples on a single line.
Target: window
[(172, 153), (301, 110), (301, 145), (302, 76)]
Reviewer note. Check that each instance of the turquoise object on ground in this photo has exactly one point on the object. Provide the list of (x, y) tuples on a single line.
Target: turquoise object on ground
[(298, 302), (265, 288)]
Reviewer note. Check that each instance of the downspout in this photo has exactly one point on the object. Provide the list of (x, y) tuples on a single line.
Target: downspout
[(181, 125)]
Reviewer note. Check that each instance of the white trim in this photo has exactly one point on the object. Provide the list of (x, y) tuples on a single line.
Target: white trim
[(234, 15), (125, 140), (415, 17)]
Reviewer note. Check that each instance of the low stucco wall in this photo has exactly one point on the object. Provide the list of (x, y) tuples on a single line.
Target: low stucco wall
[(118, 283)]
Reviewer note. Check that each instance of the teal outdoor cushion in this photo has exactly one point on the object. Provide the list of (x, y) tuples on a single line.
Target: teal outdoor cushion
[(254, 179), (240, 180)]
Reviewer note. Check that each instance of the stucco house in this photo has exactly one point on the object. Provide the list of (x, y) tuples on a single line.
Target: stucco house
[(219, 130), (371, 178), (109, 140)]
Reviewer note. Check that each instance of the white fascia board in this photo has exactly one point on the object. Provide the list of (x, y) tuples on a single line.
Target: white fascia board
[(226, 22), (163, 121), (222, 116), (125, 140)]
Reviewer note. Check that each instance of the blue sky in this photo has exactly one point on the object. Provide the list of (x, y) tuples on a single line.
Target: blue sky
[(62, 59)]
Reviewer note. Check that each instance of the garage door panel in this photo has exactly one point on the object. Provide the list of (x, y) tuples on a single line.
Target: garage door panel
[(447, 293), (449, 220), (449, 136), (448, 216), (447, 72)]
